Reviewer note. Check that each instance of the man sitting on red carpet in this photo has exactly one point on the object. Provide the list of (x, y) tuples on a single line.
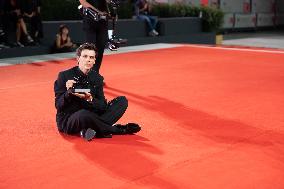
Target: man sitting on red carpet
[(81, 104)]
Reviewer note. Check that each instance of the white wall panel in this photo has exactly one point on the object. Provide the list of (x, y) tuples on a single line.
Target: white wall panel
[(280, 6), (229, 21), (280, 19), (263, 6), (190, 2), (245, 20), (231, 6), (265, 19), (235, 6), (193, 2)]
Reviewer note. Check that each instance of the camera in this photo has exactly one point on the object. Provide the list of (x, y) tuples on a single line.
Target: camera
[(92, 14), (81, 86)]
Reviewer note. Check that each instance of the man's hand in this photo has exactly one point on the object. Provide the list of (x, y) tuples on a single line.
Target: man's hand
[(69, 84), (80, 95), (86, 96)]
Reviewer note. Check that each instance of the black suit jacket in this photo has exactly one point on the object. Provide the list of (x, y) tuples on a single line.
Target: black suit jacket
[(67, 104)]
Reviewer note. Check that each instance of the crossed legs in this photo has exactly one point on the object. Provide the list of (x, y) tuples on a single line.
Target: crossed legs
[(102, 124)]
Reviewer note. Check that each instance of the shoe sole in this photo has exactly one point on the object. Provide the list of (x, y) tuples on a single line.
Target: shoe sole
[(136, 130), (133, 128), (89, 134)]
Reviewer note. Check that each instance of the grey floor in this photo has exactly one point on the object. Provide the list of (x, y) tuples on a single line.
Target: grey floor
[(266, 39)]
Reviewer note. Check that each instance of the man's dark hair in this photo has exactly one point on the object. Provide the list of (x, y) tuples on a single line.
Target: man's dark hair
[(89, 46)]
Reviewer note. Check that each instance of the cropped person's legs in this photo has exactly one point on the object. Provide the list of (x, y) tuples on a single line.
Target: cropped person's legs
[(115, 110), (154, 21), (148, 21), (90, 36), (24, 30), (98, 35), (35, 27), (18, 32), (101, 40)]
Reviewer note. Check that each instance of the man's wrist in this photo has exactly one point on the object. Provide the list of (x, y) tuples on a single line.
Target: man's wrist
[(68, 93)]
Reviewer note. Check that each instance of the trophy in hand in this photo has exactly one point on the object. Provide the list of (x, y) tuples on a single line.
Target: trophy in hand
[(81, 86)]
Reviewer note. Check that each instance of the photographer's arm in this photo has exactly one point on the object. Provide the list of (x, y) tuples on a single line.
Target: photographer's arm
[(85, 4)]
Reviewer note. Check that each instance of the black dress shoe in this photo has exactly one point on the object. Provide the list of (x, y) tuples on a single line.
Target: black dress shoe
[(88, 134), (99, 135), (129, 128)]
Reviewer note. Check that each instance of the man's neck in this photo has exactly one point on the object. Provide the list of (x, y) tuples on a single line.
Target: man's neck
[(84, 71)]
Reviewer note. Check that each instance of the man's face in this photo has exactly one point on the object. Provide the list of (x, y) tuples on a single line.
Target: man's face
[(86, 60)]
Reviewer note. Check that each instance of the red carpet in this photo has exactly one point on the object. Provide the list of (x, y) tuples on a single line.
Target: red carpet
[(212, 118)]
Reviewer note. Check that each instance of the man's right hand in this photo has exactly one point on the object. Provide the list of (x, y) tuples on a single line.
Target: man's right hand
[(69, 84)]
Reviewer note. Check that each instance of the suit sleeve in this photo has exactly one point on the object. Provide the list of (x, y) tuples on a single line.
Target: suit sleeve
[(62, 95)]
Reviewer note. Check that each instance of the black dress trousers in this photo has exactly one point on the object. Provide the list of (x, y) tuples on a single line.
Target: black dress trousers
[(97, 33), (84, 119)]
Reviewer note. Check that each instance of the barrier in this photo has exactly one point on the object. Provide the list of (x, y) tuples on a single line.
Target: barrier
[(172, 30)]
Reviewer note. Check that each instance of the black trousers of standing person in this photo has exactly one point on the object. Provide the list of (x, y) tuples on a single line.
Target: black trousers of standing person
[(97, 33), (102, 124), (36, 27)]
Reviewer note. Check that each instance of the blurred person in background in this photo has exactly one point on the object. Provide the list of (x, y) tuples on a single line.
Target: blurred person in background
[(63, 42), (143, 12)]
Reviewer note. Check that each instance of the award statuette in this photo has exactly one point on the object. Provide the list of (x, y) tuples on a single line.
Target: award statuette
[(81, 85)]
